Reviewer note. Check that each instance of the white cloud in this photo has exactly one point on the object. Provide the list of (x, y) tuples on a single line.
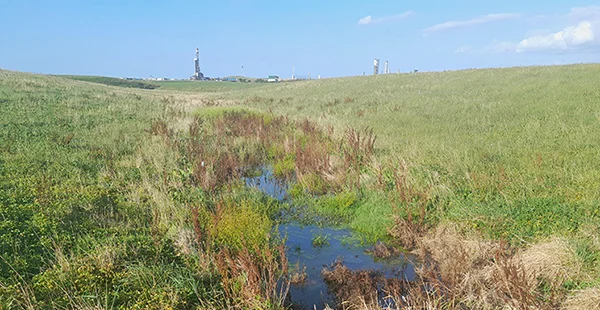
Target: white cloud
[(369, 20), (365, 20), (472, 22), (581, 30), (569, 38), (464, 50)]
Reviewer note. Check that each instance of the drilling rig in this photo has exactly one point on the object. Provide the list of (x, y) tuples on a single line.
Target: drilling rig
[(376, 66), (198, 76)]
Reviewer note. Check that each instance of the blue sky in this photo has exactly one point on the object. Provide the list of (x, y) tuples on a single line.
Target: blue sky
[(142, 38)]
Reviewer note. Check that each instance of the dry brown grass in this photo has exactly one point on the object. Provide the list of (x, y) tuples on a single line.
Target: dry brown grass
[(553, 261), (406, 232), (490, 275), (382, 250), (455, 256), (360, 289), (459, 272), (298, 275), (511, 286), (588, 299)]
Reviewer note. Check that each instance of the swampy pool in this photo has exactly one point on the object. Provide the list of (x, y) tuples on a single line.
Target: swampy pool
[(342, 245)]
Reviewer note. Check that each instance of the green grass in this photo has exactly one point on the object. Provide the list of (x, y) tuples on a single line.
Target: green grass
[(486, 141), (182, 86), (320, 241), (93, 209), (205, 86), (71, 225), (112, 81), (508, 153)]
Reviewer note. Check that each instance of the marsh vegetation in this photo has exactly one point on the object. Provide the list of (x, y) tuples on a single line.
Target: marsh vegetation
[(114, 197)]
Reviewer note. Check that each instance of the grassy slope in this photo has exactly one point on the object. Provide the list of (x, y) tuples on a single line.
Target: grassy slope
[(498, 140), (205, 86), (112, 81), (182, 86), (515, 147), (511, 151), (67, 161), (57, 137)]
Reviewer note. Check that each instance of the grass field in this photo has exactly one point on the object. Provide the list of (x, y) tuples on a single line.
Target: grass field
[(112, 81), (180, 86), (106, 201), (205, 86)]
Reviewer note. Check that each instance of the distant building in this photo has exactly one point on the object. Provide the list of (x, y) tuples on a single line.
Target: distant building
[(273, 79)]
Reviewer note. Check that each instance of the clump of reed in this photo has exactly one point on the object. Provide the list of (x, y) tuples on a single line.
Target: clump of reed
[(254, 278), (410, 203), (219, 149), (222, 145)]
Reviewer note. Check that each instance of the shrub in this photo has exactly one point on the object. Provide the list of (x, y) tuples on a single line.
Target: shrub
[(239, 226)]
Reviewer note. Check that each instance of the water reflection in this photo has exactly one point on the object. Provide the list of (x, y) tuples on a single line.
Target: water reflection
[(299, 242)]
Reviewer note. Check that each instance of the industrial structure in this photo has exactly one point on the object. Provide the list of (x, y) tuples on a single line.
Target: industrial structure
[(376, 66), (386, 68), (198, 76), (273, 79)]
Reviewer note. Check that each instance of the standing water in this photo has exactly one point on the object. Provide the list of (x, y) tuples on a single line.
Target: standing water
[(337, 244)]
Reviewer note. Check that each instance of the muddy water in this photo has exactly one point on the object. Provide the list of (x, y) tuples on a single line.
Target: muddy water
[(342, 246)]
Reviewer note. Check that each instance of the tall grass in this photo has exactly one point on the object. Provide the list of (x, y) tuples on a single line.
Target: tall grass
[(505, 149), (128, 198), (95, 213), (507, 153), (538, 125)]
